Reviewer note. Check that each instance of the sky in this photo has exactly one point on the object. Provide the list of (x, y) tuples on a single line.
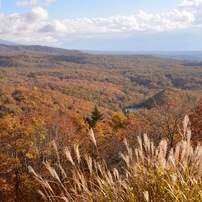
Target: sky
[(104, 25)]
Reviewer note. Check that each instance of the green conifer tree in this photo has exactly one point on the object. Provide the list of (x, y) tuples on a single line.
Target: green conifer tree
[(96, 116)]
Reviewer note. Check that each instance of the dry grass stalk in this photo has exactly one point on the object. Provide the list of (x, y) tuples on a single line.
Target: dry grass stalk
[(89, 163), (151, 174), (52, 172), (56, 150), (77, 152), (92, 137), (68, 155)]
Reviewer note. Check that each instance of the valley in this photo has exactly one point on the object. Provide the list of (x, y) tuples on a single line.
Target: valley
[(53, 97)]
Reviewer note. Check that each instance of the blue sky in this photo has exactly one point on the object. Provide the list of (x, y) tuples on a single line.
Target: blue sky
[(110, 25)]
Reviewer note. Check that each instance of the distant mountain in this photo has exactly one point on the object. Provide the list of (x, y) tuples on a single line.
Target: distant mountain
[(164, 97), (34, 48), (178, 55), (4, 42)]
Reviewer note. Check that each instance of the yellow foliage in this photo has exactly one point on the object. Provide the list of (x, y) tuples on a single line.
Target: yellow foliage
[(117, 121), (29, 155)]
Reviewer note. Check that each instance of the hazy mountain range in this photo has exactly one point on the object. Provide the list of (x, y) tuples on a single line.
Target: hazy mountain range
[(7, 46), (179, 55), (7, 42)]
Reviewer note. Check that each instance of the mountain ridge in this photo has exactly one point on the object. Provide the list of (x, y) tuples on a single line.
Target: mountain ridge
[(164, 97), (5, 42), (4, 48), (11, 47)]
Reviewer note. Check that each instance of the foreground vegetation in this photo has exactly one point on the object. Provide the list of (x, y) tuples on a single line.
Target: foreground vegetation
[(149, 173), (114, 161)]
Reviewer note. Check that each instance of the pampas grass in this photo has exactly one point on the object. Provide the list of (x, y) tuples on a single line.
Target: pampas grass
[(151, 174)]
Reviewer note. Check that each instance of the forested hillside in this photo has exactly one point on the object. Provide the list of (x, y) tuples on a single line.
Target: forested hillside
[(113, 82), (51, 100)]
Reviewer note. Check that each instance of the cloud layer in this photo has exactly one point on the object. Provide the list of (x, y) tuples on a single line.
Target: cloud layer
[(122, 24), (35, 27)]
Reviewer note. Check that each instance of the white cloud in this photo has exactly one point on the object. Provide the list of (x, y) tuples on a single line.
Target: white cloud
[(47, 2), (23, 28), (37, 14), (55, 26), (190, 3), (141, 21), (30, 3), (34, 3)]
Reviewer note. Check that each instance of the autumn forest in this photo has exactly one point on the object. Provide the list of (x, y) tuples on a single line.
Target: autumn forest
[(89, 127)]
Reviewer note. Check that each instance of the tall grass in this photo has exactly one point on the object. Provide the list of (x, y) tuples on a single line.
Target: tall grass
[(151, 174)]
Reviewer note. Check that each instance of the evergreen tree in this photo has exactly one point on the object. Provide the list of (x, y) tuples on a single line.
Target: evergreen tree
[(96, 116)]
